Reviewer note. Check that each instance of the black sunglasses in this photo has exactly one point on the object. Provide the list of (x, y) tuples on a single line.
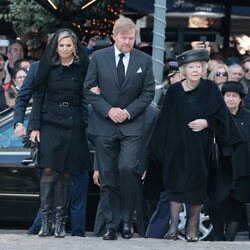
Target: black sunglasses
[(246, 70), (221, 74)]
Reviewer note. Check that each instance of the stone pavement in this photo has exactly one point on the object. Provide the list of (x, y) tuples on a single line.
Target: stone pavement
[(20, 241)]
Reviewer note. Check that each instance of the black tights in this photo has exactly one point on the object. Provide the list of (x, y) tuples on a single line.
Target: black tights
[(175, 209), (193, 215), (231, 230), (50, 175), (218, 227)]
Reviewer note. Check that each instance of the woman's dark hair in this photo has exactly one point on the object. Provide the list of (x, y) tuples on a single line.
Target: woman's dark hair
[(50, 57), (17, 63)]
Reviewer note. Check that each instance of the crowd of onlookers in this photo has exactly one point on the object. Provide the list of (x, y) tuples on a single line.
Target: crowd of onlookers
[(14, 64), (13, 70), (223, 70)]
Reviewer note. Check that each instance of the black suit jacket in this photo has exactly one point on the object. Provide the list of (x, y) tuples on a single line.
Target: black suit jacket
[(134, 96), (25, 94)]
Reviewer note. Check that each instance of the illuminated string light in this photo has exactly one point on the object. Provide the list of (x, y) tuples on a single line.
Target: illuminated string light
[(103, 25)]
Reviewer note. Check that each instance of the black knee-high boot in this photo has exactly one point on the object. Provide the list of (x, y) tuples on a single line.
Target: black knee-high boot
[(64, 194), (47, 192)]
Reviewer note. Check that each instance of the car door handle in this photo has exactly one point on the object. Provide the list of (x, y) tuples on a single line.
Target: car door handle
[(27, 161)]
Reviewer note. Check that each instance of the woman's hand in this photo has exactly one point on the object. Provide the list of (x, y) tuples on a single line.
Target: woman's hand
[(96, 90), (35, 136), (198, 125)]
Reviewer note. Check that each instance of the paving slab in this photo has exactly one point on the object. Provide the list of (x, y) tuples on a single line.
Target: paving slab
[(21, 241)]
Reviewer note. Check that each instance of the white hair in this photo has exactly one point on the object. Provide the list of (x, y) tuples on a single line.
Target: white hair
[(204, 66)]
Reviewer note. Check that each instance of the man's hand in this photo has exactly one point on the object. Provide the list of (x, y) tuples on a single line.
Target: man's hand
[(20, 130), (96, 90), (117, 115), (96, 178)]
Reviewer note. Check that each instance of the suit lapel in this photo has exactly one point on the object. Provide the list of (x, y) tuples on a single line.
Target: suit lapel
[(111, 62)]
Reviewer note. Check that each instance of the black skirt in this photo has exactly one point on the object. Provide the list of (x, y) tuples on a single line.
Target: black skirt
[(64, 145), (196, 196)]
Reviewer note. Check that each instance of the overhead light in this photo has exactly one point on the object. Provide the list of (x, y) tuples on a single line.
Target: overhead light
[(52, 4), (87, 4)]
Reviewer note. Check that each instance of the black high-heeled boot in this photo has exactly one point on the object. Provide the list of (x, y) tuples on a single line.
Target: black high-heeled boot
[(64, 193), (60, 223), (47, 191)]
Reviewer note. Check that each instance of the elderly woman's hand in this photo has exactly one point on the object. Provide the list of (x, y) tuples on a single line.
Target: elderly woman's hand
[(198, 125)]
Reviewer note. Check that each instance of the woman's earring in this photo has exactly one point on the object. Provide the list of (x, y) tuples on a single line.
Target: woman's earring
[(74, 52)]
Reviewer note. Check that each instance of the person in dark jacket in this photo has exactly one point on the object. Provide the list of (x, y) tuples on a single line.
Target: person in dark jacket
[(57, 123), (159, 221), (229, 216), (126, 81), (13, 87), (3, 105), (80, 180), (23, 99), (245, 80), (193, 113)]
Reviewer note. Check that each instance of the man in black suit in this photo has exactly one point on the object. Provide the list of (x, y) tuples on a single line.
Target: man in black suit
[(125, 78)]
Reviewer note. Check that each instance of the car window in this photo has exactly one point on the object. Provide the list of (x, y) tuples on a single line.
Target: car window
[(8, 140)]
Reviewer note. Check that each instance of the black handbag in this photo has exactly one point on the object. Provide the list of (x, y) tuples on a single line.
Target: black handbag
[(219, 175), (215, 155)]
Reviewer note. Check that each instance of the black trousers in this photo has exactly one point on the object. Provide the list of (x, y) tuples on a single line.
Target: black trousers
[(118, 153)]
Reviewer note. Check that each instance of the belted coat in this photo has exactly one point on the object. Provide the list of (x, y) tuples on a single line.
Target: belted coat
[(60, 113)]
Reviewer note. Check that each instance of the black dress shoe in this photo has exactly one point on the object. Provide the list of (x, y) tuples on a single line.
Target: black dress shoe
[(127, 231), (110, 234)]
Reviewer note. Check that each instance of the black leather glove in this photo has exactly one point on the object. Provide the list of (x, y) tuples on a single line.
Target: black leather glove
[(26, 142)]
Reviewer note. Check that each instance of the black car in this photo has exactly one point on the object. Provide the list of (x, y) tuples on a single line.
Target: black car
[(19, 179), (19, 183)]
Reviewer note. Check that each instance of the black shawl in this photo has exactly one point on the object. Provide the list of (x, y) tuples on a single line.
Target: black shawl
[(184, 154)]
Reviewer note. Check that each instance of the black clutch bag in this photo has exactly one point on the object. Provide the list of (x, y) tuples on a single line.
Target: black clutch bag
[(34, 148), (34, 152)]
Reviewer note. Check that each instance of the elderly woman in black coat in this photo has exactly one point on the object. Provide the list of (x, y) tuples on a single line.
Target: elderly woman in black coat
[(229, 215), (193, 112), (58, 122)]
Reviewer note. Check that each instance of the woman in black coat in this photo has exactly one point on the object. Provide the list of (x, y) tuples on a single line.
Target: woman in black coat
[(58, 122), (193, 112), (229, 215)]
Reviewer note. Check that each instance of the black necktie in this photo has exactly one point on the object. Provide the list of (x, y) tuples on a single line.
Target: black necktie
[(121, 70)]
